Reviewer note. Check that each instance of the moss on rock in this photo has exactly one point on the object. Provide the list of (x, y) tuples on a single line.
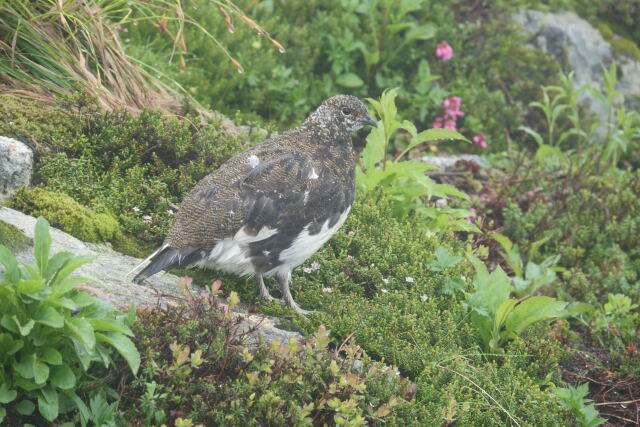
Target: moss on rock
[(13, 238), (64, 212)]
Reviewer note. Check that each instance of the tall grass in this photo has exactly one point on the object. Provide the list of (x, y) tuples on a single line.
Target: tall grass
[(50, 47)]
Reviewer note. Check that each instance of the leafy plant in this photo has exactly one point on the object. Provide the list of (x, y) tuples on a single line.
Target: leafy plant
[(199, 363), (529, 279), (407, 182), (617, 320), (51, 333), (500, 318), (574, 399), (567, 125)]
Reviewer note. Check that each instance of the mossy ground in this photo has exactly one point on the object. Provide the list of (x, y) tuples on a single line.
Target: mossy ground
[(14, 239)]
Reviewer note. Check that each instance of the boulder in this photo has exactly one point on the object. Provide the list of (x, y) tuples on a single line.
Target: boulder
[(575, 43), (16, 166), (107, 276)]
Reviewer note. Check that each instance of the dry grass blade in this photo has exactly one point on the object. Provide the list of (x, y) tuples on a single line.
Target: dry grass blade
[(53, 47)]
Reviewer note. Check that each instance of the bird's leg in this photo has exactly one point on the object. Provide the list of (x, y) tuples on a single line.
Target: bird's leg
[(283, 280), (264, 292)]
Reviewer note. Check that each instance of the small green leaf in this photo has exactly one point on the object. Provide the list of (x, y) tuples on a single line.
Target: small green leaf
[(7, 395), (31, 286), (349, 80), (63, 377), (24, 329), (51, 356), (40, 372), (25, 365), (420, 32), (3, 413), (25, 407), (83, 331), (47, 315), (124, 346), (532, 310), (10, 264), (111, 326), (42, 244), (48, 404)]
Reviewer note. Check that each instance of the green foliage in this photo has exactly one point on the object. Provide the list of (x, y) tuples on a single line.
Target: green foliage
[(574, 399), (360, 48), (527, 279), (616, 323), (388, 290), (13, 239), (498, 317), (197, 363), (608, 141), (51, 334), (406, 182)]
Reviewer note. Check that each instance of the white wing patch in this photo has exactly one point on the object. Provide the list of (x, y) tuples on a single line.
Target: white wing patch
[(253, 161), (313, 174)]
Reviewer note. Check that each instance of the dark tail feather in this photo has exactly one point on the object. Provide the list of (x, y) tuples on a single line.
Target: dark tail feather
[(169, 258)]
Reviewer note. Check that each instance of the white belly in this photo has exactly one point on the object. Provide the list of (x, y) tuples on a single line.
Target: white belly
[(233, 255), (307, 244)]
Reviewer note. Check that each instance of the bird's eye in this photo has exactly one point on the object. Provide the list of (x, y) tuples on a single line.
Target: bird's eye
[(346, 111)]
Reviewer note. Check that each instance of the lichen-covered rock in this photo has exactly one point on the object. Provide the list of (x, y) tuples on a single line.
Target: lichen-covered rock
[(16, 166), (107, 275), (576, 43)]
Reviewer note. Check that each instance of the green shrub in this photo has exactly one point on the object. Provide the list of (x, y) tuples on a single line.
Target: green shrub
[(198, 363), (52, 334), (64, 212), (13, 239)]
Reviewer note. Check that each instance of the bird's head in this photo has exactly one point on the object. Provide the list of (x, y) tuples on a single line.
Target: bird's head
[(345, 112)]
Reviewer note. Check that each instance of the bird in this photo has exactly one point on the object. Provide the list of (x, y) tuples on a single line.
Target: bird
[(265, 211)]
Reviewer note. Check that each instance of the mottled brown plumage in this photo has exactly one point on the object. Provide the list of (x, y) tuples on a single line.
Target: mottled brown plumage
[(269, 208)]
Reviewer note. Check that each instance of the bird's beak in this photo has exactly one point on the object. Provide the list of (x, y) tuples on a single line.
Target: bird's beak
[(369, 121)]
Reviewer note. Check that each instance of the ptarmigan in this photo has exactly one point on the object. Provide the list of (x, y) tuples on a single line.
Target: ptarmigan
[(268, 209)]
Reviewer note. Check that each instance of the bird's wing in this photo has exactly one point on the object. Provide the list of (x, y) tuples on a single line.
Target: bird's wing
[(294, 191), (244, 196), (275, 190)]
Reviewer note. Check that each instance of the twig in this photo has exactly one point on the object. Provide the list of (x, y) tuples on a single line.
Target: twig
[(617, 403), (618, 417)]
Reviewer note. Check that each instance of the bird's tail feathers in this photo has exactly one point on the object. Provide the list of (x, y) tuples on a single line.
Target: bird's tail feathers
[(166, 258)]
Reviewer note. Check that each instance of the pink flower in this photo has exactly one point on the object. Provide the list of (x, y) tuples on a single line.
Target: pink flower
[(444, 51), (480, 140), (450, 124), (452, 111), (351, 233)]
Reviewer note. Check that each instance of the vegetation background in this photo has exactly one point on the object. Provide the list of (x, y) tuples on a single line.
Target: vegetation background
[(506, 294)]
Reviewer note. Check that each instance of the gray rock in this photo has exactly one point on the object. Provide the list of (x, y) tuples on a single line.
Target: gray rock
[(576, 43), (447, 162), (16, 166), (107, 277)]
